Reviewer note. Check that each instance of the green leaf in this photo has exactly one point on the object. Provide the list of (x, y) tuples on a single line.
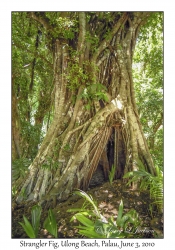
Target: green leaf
[(89, 199), (111, 174), (128, 175), (120, 213), (105, 98), (36, 214), (85, 221), (78, 210), (50, 224), (28, 228), (89, 213), (88, 106), (91, 234)]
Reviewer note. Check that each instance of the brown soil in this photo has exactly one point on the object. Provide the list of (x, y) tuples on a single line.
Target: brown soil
[(108, 198)]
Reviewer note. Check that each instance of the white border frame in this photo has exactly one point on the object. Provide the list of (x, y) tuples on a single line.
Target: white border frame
[(5, 101)]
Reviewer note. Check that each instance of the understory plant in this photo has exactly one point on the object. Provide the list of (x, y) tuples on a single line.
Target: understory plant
[(94, 225), (50, 224), (31, 229), (149, 182), (112, 174)]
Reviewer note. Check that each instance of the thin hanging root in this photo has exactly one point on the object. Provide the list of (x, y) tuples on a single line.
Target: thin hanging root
[(95, 156), (44, 183), (39, 181), (67, 137), (116, 145)]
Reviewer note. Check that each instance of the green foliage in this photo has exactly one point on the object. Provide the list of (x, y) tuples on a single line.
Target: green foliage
[(95, 225), (50, 224), (36, 214), (32, 75), (67, 147), (14, 190), (75, 76), (93, 92), (28, 228), (148, 80), (93, 40), (50, 164), (96, 92), (33, 136), (123, 221), (66, 27), (90, 201), (149, 182), (20, 168), (157, 150), (32, 229), (112, 174)]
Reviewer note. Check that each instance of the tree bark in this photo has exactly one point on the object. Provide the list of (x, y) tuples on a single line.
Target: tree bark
[(16, 151)]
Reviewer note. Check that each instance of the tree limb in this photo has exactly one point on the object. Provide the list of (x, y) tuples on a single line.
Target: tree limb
[(40, 20), (106, 41), (81, 38)]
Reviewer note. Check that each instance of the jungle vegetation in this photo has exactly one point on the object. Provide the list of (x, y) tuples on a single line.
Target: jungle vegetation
[(87, 91)]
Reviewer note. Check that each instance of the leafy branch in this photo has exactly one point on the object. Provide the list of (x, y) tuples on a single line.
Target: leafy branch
[(107, 40)]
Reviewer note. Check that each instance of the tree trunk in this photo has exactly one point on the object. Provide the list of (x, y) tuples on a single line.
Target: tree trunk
[(96, 122), (16, 151)]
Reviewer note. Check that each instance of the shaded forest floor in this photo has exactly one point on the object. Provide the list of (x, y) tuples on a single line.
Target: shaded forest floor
[(108, 198)]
